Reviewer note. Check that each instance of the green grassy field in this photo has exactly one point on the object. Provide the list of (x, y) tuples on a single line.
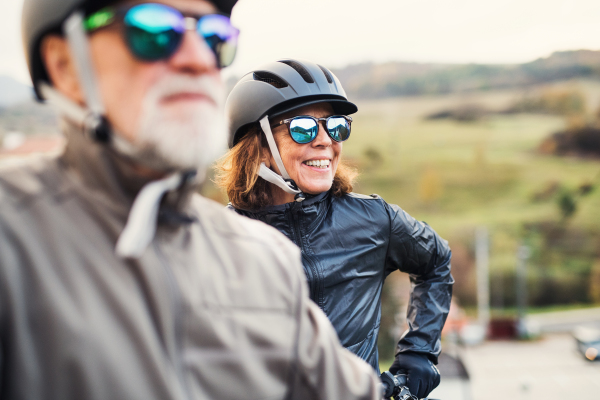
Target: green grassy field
[(458, 175)]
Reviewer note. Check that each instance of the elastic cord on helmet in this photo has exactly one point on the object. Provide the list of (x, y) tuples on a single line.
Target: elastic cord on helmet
[(283, 181), (78, 43), (266, 127), (97, 127), (91, 117), (271, 176)]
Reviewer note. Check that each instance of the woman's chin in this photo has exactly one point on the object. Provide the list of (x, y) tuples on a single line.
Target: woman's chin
[(316, 187)]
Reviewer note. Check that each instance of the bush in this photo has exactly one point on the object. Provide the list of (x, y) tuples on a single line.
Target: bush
[(563, 102), (581, 142), (462, 113)]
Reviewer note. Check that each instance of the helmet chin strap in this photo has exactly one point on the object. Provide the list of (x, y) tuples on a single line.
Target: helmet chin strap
[(84, 117), (140, 228), (91, 117), (95, 122), (282, 181)]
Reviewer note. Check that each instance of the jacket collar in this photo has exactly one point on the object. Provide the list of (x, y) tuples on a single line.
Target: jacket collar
[(282, 208)]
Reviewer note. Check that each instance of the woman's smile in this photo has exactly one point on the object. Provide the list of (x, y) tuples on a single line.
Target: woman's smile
[(318, 164), (311, 165)]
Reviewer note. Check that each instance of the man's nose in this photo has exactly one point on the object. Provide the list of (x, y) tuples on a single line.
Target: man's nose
[(193, 55), (323, 138)]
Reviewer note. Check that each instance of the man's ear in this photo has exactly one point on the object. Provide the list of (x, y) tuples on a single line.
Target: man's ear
[(59, 63)]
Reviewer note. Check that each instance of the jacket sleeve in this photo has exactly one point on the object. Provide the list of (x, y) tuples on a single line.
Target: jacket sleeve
[(416, 249), (324, 369)]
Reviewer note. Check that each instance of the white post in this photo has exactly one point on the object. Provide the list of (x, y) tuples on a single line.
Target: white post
[(483, 279), (522, 256)]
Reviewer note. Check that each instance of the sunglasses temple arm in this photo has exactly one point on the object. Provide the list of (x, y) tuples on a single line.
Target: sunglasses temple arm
[(266, 128)]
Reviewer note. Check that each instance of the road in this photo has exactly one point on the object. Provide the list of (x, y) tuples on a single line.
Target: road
[(565, 321), (546, 369)]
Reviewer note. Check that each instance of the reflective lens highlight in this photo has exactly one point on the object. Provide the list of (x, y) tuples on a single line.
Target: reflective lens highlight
[(154, 31), (304, 129), (338, 128), (220, 36)]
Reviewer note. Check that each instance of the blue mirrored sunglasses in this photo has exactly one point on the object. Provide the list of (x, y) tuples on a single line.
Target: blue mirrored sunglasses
[(154, 31), (305, 128)]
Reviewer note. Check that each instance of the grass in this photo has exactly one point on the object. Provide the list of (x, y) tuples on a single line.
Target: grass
[(385, 364), (512, 311), (457, 176), (479, 173)]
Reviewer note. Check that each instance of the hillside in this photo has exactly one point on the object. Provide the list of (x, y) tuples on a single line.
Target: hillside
[(397, 79)]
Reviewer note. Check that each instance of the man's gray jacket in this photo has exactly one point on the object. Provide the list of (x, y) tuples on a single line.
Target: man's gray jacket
[(216, 308)]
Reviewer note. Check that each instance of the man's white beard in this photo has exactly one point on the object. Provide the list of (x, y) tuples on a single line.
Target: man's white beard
[(193, 140)]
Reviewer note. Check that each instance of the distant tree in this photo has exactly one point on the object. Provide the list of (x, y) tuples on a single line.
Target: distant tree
[(568, 200), (566, 203)]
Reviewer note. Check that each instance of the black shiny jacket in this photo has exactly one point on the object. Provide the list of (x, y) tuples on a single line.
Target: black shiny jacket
[(350, 244)]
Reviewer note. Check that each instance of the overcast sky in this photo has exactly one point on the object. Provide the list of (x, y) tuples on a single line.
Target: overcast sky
[(338, 32)]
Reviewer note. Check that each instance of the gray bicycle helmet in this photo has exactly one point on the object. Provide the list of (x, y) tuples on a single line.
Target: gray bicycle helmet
[(41, 17), (274, 89), (279, 87)]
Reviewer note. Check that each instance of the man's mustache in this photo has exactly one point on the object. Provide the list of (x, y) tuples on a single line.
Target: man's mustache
[(177, 85)]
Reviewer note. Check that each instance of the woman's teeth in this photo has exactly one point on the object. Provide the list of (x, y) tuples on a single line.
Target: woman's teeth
[(318, 163)]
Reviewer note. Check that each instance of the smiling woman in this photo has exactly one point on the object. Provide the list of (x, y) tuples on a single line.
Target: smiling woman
[(237, 174), (315, 167), (288, 121)]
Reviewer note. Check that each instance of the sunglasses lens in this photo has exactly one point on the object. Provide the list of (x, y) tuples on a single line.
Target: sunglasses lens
[(303, 130), (220, 36), (338, 128), (153, 31)]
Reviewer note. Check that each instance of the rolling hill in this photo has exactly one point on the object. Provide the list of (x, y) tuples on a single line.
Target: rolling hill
[(398, 79)]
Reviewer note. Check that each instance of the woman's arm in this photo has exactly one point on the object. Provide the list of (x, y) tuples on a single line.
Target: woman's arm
[(416, 249)]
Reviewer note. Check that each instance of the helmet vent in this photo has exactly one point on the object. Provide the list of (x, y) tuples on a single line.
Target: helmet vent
[(300, 69), (326, 73), (269, 78)]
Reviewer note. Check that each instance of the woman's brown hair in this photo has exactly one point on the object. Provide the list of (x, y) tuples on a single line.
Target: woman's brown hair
[(237, 173)]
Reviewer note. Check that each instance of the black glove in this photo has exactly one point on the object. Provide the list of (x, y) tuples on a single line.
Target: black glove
[(422, 375)]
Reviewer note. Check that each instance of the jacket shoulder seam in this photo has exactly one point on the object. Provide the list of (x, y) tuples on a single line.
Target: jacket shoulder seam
[(372, 196)]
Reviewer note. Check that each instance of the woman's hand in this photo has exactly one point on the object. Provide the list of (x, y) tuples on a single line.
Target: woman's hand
[(422, 375)]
